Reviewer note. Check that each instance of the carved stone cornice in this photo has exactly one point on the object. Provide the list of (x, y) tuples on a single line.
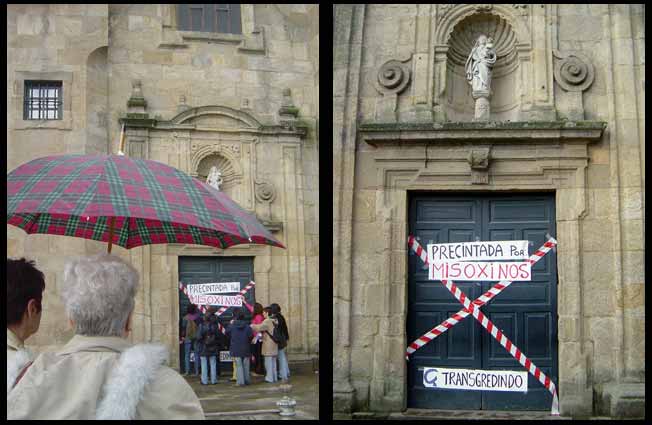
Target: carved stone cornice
[(377, 134)]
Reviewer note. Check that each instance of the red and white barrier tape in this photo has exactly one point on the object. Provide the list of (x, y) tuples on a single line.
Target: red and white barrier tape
[(479, 302), (495, 332), (221, 310)]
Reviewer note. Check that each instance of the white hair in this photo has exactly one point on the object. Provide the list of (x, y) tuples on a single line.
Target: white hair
[(98, 294)]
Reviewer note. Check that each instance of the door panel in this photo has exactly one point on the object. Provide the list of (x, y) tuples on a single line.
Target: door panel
[(526, 311), (441, 221), (193, 270)]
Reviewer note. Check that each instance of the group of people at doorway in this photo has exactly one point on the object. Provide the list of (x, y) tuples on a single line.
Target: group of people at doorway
[(99, 374), (256, 337)]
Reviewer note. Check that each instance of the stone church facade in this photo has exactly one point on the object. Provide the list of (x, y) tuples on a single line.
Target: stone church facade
[(566, 125), (239, 90)]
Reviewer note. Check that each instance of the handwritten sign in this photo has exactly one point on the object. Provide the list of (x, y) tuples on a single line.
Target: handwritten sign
[(210, 299), (470, 270), (225, 356), (474, 251), (213, 288), (481, 380)]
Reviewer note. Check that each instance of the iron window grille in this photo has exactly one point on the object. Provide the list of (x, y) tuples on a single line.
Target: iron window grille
[(43, 100)]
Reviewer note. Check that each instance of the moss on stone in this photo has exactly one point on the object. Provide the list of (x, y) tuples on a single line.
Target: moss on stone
[(138, 120), (497, 125), (289, 110)]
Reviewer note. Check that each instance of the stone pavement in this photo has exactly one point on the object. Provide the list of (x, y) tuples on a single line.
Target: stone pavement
[(225, 401), (425, 414)]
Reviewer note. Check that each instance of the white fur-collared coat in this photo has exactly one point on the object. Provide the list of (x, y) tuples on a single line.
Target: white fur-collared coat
[(17, 358), (103, 378)]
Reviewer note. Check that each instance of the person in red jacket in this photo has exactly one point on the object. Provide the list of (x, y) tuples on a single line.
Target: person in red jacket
[(256, 350)]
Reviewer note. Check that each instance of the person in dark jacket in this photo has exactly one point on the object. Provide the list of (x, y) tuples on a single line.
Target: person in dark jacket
[(189, 325), (241, 334), (283, 368), (211, 342)]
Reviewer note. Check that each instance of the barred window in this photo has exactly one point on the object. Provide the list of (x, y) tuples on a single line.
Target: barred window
[(223, 18), (43, 100)]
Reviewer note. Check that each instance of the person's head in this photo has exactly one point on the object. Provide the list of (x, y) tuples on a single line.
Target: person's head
[(267, 311), (25, 286), (482, 40), (276, 309), (191, 309), (98, 295), (258, 308)]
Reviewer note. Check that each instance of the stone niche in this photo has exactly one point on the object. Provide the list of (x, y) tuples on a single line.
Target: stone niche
[(518, 91), (506, 87), (214, 135)]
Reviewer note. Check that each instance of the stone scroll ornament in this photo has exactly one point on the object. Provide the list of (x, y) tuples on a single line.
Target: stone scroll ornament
[(573, 71), (479, 68), (265, 192), (393, 77)]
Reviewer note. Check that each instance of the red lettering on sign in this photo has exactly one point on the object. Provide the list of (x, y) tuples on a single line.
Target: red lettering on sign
[(466, 273), (483, 270)]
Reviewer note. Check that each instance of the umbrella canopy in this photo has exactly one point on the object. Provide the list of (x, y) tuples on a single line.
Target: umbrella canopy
[(146, 202)]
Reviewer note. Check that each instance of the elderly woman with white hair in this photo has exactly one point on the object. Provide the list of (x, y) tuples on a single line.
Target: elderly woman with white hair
[(98, 374)]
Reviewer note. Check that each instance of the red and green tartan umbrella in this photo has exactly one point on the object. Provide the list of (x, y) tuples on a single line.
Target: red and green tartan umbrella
[(125, 201)]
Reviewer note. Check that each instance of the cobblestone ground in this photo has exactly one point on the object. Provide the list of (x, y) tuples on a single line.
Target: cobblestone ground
[(225, 401)]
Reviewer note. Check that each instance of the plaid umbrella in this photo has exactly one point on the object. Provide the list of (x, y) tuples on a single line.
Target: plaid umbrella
[(125, 201)]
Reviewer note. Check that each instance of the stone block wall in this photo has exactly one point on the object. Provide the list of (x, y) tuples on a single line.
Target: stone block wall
[(599, 212), (99, 51)]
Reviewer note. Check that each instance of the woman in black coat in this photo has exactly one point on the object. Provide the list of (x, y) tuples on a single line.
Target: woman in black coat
[(241, 334), (211, 342)]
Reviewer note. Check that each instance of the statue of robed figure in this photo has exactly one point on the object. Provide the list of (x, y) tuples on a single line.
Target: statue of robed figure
[(478, 72)]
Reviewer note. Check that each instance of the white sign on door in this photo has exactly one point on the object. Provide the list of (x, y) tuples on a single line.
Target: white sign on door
[(474, 251), (222, 300), (213, 288), (475, 270), (468, 379)]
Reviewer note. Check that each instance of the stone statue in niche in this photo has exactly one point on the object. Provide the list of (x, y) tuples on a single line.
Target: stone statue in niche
[(214, 178), (478, 72)]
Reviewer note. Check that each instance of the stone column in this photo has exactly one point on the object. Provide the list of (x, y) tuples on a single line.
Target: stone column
[(347, 54), (482, 109)]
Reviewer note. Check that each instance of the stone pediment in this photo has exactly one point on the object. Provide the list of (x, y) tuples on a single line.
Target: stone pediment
[(216, 117)]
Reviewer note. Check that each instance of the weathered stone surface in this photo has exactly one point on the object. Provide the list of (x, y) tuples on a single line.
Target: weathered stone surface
[(599, 257), (104, 48)]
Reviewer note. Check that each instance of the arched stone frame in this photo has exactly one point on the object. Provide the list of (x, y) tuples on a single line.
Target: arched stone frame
[(169, 254), (247, 120), (424, 160), (240, 140), (533, 55)]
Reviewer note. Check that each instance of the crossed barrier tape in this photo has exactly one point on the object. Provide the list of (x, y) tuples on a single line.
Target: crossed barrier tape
[(480, 301), (474, 309), (221, 310)]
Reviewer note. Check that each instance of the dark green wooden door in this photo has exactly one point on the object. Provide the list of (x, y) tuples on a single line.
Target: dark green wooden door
[(526, 311), (193, 270)]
